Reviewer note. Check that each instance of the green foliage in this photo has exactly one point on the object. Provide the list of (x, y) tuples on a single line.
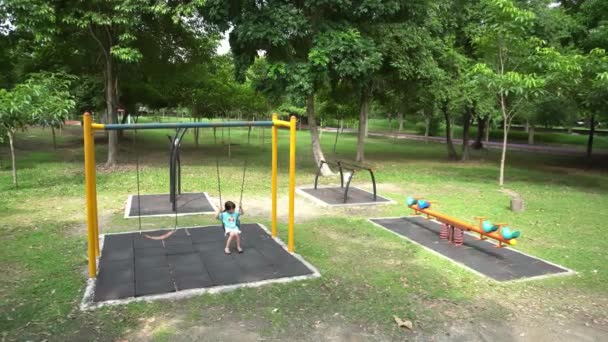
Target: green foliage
[(508, 48), (509, 83), (216, 93), (555, 111), (345, 54), (594, 86), (57, 102), (44, 99), (593, 15)]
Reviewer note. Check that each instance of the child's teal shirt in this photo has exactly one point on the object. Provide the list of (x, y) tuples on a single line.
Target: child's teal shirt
[(229, 220)]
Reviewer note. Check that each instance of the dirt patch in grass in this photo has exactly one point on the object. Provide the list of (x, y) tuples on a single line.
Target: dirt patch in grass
[(518, 328), (227, 326), (13, 275), (509, 192), (80, 229), (262, 207), (391, 188)]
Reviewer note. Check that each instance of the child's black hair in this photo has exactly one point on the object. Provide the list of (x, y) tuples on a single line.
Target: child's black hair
[(229, 205)]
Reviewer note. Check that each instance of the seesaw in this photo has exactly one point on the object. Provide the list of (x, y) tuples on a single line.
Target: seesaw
[(453, 228)]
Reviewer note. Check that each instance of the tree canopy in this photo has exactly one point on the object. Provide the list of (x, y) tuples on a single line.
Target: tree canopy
[(457, 62)]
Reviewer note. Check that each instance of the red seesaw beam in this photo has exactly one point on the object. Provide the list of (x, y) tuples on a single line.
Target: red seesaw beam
[(462, 224)]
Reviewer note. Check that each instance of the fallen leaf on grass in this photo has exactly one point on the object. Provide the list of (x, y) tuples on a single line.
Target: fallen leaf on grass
[(403, 324)]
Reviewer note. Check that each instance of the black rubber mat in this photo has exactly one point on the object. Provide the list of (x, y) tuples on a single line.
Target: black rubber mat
[(132, 265), (501, 264), (335, 196), (159, 205)]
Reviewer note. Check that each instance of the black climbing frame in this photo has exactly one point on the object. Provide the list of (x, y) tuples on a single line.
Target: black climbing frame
[(353, 168), (481, 256), (193, 258), (175, 166)]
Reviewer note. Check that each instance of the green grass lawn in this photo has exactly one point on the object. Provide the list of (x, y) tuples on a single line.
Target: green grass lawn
[(368, 274)]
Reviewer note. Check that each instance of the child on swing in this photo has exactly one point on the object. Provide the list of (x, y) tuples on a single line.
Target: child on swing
[(230, 218)]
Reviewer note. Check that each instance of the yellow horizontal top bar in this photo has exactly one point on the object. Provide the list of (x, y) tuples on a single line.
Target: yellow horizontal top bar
[(98, 126), (281, 123)]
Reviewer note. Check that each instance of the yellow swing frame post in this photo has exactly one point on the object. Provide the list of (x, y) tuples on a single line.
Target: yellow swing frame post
[(90, 177)]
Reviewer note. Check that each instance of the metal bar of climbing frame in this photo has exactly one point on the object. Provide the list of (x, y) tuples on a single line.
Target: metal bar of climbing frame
[(357, 166), (319, 173), (175, 125), (171, 173), (178, 163), (292, 183), (350, 178), (341, 174), (371, 172)]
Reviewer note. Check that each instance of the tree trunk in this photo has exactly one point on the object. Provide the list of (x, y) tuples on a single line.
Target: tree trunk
[(11, 143), (591, 134), (527, 126), (469, 114), (321, 129), (336, 141), (505, 136), (569, 129), (366, 124), (223, 142), (451, 125), (362, 127), (400, 118), (196, 136), (448, 133), (481, 125), (54, 138), (487, 130), (503, 156), (317, 152), (111, 112), (531, 135), (123, 120)]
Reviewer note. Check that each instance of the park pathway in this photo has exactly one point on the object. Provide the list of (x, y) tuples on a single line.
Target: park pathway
[(563, 150)]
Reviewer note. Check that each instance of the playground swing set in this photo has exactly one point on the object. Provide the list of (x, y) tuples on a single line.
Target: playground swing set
[(175, 182), (90, 173)]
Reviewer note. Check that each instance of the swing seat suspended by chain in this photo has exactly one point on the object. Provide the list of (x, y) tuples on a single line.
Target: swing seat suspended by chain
[(219, 188), (179, 135), (161, 237)]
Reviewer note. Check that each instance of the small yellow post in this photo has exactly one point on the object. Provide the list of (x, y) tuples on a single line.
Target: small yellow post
[(89, 180), (292, 182), (274, 175)]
